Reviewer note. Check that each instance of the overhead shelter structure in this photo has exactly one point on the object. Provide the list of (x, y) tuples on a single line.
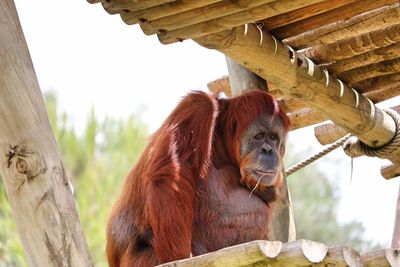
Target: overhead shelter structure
[(325, 60)]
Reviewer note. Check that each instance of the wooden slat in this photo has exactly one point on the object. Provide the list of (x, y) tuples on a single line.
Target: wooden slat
[(165, 10), (365, 22), (119, 6), (381, 258), (382, 82), (374, 56), (353, 46), (317, 21), (370, 71), (199, 15), (302, 13), (233, 20), (271, 61)]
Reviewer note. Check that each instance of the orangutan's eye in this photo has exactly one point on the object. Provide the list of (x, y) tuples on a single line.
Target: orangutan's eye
[(259, 136), (274, 137)]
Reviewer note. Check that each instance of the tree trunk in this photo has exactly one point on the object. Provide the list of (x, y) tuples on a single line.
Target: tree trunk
[(33, 174), (282, 226)]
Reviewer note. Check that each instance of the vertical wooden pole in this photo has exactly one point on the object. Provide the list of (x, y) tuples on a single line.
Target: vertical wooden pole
[(282, 225), (396, 230), (30, 161)]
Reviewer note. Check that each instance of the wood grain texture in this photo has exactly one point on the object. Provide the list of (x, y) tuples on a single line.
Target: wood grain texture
[(353, 46), (119, 6), (199, 15), (302, 13), (161, 11), (343, 28), (33, 173), (334, 15), (233, 20)]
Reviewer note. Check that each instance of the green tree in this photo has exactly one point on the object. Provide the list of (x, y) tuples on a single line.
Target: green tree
[(315, 201)]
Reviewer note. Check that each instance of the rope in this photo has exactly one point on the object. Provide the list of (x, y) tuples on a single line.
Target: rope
[(354, 147), (317, 156)]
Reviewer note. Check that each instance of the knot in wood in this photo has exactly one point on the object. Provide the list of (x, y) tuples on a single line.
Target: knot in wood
[(29, 163)]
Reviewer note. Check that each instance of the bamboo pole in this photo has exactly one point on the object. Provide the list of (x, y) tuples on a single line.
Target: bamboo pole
[(353, 46), (233, 20), (201, 14), (342, 13), (32, 171), (161, 11), (282, 225), (303, 79), (365, 22)]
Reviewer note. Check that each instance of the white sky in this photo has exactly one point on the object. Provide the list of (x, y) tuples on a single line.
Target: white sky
[(91, 58)]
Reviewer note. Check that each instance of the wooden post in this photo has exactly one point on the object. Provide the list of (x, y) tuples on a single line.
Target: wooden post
[(282, 225), (396, 230), (31, 165)]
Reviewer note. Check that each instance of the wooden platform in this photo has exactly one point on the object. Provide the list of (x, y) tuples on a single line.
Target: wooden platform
[(300, 253)]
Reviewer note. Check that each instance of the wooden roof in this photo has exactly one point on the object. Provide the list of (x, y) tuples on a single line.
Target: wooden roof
[(356, 41)]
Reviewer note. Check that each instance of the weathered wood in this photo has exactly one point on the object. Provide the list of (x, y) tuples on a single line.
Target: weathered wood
[(220, 85), (305, 117), (396, 229), (94, 1), (118, 6), (370, 71), (352, 26), (353, 46), (380, 95), (33, 173), (165, 10), (300, 253), (271, 60), (302, 13), (369, 58), (329, 132), (381, 258), (337, 14), (233, 20), (390, 171), (281, 226), (382, 82), (241, 79), (198, 15)]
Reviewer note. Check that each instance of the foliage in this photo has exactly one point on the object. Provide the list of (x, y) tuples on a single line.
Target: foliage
[(97, 160), (315, 200)]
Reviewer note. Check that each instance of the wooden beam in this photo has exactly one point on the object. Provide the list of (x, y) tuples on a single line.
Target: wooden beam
[(305, 117), (302, 13), (370, 71), (33, 173), (118, 6), (335, 15), (303, 79), (384, 257), (396, 230), (294, 254), (199, 15), (349, 27), (353, 46), (372, 57), (161, 11), (233, 20)]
